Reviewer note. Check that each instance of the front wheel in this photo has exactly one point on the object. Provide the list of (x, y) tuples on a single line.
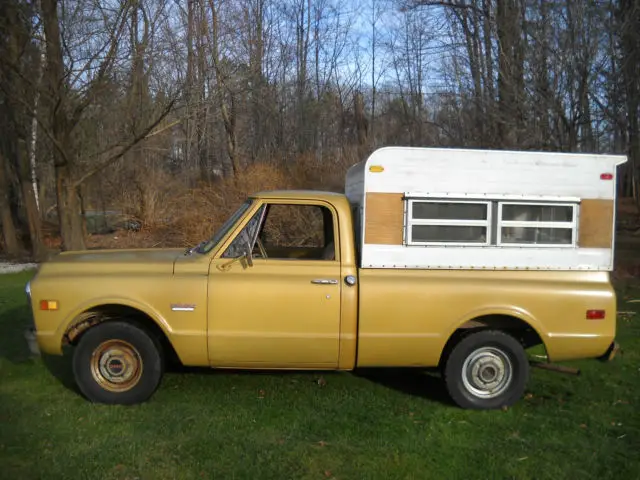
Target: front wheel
[(117, 363), (486, 370)]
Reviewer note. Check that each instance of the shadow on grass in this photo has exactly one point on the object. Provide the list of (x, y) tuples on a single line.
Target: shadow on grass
[(415, 382), (421, 383), (13, 343), (178, 368), (60, 367), (14, 346)]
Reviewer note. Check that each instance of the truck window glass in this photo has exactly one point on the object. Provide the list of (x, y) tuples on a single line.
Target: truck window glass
[(433, 222), (449, 211), (537, 224), (444, 233), (298, 232), (222, 231), (246, 237)]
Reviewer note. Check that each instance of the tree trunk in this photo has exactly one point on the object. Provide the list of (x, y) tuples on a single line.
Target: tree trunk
[(230, 129), (543, 92), (256, 61), (9, 233), (362, 124), (303, 31), (189, 123), (222, 91), (373, 71), (510, 71), (68, 211), (30, 203), (486, 8), (68, 207), (630, 36), (17, 136), (472, 42), (42, 61), (202, 111)]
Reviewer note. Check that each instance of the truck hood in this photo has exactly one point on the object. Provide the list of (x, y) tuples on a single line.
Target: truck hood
[(113, 261)]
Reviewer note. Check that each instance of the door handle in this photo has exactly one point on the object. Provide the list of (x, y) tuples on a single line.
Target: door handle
[(325, 281)]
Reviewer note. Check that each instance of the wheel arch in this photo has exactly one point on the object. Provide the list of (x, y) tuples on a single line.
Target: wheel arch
[(517, 323), (98, 313)]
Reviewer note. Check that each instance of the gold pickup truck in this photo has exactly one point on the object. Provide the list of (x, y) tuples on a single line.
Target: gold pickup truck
[(325, 281)]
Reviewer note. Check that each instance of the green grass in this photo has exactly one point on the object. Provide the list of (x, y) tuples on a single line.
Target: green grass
[(206, 424)]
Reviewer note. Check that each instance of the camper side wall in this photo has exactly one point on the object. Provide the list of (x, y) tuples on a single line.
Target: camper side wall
[(466, 209)]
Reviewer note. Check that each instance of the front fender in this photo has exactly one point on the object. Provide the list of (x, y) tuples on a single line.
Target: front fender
[(51, 341), (72, 317)]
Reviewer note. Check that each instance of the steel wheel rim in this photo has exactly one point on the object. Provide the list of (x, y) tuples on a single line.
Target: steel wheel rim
[(487, 372), (116, 365)]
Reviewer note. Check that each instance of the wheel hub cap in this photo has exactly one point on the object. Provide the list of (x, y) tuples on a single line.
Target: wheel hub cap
[(487, 372), (116, 365)]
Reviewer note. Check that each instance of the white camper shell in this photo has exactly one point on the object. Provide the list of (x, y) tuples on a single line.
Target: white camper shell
[(433, 208)]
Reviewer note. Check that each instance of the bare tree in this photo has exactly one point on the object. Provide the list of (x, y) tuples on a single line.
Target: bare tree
[(20, 56), (629, 22), (67, 106)]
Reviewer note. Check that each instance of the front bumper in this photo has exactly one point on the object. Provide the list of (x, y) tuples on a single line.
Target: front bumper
[(611, 352), (30, 331), (32, 341)]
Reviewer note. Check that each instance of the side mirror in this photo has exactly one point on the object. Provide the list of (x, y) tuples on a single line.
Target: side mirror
[(248, 255)]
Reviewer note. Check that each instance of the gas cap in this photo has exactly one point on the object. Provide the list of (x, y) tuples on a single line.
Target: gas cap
[(350, 280)]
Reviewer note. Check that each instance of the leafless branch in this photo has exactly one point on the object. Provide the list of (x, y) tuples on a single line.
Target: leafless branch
[(146, 132)]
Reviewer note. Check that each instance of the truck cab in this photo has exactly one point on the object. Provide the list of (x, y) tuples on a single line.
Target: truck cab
[(282, 291)]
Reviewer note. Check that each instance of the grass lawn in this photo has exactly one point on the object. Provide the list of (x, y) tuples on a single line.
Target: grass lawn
[(210, 424)]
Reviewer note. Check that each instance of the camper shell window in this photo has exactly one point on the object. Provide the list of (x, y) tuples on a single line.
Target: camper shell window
[(437, 222), (539, 224), (490, 223)]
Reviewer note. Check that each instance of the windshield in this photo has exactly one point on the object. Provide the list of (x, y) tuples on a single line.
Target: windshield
[(206, 247)]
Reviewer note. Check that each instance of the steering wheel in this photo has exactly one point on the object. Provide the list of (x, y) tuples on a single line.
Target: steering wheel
[(263, 252)]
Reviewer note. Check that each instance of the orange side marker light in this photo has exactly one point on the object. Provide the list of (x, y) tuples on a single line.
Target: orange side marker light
[(48, 305)]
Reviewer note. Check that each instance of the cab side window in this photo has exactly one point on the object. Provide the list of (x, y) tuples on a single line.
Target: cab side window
[(298, 232)]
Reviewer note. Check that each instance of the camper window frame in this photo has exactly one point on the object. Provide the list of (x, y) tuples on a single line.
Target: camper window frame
[(572, 225), (410, 222)]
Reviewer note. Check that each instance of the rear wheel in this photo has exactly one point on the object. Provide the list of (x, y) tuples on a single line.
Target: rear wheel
[(485, 370), (117, 363)]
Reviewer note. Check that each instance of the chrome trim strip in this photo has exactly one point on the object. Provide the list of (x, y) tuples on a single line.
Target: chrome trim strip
[(325, 281)]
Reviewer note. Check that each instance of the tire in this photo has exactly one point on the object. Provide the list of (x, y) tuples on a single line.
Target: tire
[(486, 370), (117, 363)]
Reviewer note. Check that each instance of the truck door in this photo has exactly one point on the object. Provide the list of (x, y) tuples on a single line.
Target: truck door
[(281, 307)]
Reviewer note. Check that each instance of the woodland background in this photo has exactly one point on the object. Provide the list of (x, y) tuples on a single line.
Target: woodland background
[(166, 113)]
